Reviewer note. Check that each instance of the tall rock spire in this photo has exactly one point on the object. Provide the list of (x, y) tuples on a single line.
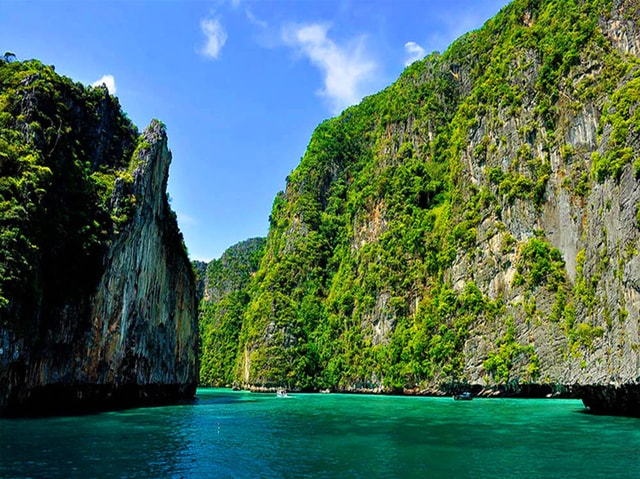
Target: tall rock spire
[(97, 294)]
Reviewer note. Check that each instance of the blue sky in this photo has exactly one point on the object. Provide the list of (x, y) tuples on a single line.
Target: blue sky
[(240, 84)]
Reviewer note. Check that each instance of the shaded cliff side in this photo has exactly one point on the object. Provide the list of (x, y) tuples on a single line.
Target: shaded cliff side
[(475, 223), (98, 306)]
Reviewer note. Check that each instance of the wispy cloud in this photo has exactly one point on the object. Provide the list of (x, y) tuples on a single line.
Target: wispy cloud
[(185, 219), (414, 51), (215, 36), (108, 81), (255, 20), (455, 23), (345, 67)]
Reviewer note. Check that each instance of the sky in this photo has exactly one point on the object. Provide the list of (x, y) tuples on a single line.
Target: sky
[(240, 84)]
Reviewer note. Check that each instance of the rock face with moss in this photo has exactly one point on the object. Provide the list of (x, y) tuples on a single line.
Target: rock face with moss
[(97, 294), (475, 223)]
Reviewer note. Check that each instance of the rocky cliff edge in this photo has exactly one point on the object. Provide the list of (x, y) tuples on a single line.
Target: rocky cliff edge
[(139, 345)]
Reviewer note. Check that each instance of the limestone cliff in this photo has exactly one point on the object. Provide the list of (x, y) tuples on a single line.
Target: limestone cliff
[(476, 223), (143, 328), (97, 293)]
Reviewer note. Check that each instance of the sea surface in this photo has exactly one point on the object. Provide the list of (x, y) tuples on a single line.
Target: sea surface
[(226, 434)]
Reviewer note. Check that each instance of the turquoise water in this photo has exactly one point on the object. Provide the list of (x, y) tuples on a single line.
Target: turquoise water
[(229, 434)]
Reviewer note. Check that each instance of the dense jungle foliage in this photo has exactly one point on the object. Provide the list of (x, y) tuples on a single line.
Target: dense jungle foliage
[(62, 147), (356, 287), (225, 298)]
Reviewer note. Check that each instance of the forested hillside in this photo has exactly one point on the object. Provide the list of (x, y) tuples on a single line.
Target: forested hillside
[(476, 222)]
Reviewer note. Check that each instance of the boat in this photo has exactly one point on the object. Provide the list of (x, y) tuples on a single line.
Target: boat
[(282, 393), (463, 396)]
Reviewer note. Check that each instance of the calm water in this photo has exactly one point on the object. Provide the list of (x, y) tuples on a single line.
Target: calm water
[(242, 435)]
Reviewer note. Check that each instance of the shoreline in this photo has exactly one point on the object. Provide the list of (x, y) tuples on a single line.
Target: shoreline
[(599, 399)]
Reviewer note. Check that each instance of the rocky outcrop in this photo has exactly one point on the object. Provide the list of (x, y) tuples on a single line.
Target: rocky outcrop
[(133, 339), (611, 399), (584, 331), (144, 309)]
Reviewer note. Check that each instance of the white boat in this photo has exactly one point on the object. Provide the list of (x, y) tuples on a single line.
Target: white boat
[(282, 393)]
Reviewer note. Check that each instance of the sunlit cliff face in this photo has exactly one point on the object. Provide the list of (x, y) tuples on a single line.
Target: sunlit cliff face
[(475, 222)]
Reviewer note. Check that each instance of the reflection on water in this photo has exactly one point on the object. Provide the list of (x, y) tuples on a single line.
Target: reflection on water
[(236, 435)]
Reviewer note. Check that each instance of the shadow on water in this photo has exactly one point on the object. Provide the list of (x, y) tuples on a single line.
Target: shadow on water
[(59, 400), (127, 443)]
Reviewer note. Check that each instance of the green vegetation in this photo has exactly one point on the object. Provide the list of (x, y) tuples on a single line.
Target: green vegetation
[(623, 117), (540, 264), (225, 290), (368, 278), (500, 363), (62, 147)]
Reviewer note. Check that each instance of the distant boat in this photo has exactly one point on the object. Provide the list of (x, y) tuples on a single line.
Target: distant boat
[(282, 393), (464, 396)]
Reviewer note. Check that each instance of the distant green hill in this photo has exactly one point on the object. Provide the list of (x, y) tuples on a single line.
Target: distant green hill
[(225, 298)]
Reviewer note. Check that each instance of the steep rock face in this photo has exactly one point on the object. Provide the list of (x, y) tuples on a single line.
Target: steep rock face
[(200, 269), (144, 309), (581, 329), (475, 223), (97, 293)]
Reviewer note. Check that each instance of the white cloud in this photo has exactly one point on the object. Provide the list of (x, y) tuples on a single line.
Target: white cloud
[(456, 22), (184, 219), (255, 20), (414, 51), (108, 81), (345, 67), (215, 37)]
